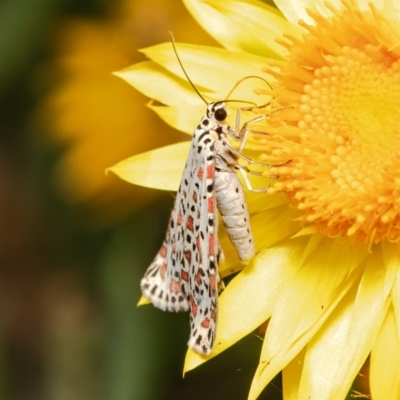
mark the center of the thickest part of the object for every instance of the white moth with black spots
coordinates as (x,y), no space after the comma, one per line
(184,274)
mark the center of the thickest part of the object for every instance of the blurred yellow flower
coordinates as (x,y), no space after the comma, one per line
(95,117)
(327,272)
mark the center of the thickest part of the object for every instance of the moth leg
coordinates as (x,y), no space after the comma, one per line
(244,170)
(244,131)
(237,122)
(238,154)
(241,130)
(258,173)
(241,134)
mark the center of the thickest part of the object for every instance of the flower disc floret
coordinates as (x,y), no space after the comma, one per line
(344,141)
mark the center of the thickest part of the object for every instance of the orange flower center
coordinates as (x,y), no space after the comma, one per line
(343,134)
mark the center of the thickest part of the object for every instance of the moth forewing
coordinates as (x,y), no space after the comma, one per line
(204,276)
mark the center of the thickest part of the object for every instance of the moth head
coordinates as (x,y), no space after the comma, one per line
(218,111)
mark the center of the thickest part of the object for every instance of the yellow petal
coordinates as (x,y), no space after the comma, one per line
(235,34)
(160,169)
(396,299)
(391,256)
(264,23)
(212,68)
(385,361)
(313,243)
(323,354)
(258,202)
(184,119)
(156,82)
(309,230)
(317,287)
(294,10)
(143,301)
(188,108)
(291,376)
(254,289)
(273,225)
(338,351)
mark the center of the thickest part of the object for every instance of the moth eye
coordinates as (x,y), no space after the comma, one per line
(220,114)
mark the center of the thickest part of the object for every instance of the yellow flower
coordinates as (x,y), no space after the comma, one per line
(327,272)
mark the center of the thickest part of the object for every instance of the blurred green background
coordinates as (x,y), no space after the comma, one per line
(74,243)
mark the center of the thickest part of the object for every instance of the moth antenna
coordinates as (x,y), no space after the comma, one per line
(243,79)
(238,101)
(183,69)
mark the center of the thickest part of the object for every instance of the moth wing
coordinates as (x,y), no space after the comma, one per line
(166,281)
(203,276)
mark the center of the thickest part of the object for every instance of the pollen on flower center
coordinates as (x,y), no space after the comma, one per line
(343,136)
(360,115)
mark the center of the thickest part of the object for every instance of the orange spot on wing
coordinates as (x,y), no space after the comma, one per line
(190,223)
(211,244)
(210,171)
(163,251)
(200,173)
(205,323)
(163,269)
(184,276)
(210,204)
(212,282)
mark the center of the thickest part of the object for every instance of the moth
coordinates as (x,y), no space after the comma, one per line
(184,274)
